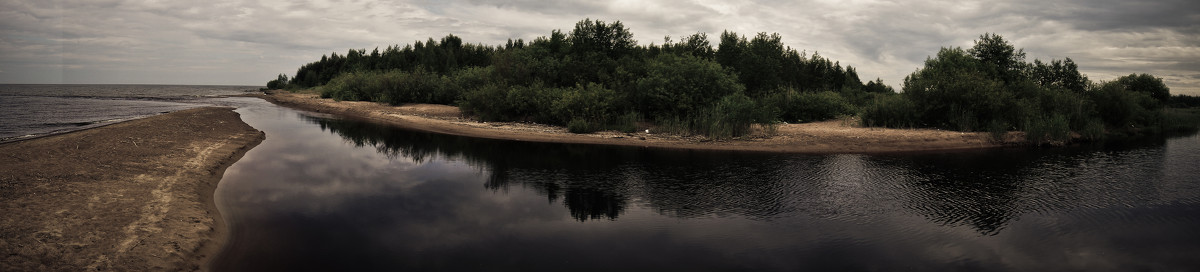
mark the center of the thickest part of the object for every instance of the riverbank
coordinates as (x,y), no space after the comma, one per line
(818,137)
(132,196)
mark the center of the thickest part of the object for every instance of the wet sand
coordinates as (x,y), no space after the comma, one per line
(132,196)
(818,137)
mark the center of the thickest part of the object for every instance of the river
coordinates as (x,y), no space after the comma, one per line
(323,193)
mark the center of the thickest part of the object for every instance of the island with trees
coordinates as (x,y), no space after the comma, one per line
(597,77)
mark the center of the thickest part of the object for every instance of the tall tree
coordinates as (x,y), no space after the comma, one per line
(1002,58)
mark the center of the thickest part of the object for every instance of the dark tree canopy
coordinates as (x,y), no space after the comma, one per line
(1002,58)
(595,37)
(1146,84)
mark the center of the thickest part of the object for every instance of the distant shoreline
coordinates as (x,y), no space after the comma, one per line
(828,137)
(129,196)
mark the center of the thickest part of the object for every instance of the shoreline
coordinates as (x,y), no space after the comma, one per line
(827,137)
(133,195)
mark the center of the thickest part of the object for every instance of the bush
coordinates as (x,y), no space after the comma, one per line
(1048,129)
(394,87)
(795,106)
(997,130)
(1181,120)
(1121,109)
(349,86)
(892,111)
(731,117)
(580,125)
(590,102)
(486,102)
(679,85)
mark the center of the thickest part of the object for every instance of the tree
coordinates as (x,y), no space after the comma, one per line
(1147,84)
(696,45)
(1002,58)
(730,50)
(678,85)
(955,91)
(877,86)
(595,37)
(1058,74)
(280,82)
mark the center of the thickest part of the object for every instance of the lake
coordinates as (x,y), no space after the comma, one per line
(324,193)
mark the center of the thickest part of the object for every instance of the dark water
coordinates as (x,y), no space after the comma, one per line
(328,194)
(28,111)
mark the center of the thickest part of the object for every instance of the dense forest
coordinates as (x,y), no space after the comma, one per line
(596,77)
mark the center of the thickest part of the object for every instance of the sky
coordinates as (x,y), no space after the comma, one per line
(223,42)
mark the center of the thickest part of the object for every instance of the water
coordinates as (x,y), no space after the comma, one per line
(36,110)
(322,193)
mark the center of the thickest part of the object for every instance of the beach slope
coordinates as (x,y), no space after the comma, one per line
(132,196)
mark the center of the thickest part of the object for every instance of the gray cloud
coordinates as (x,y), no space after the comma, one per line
(247,42)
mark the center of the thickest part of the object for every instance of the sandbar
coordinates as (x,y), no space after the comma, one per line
(131,196)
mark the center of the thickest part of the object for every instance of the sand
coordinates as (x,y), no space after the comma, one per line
(132,196)
(839,136)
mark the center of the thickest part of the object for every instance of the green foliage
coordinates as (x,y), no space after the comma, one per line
(1000,59)
(595,37)
(954,91)
(597,77)
(877,86)
(279,83)
(1048,129)
(990,87)
(591,102)
(495,102)
(1058,75)
(1146,84)
(763,64)
(1181,120)
(1121,109)
(440,58)
(731,117)
(1184,101)
(892,111)
(394,87)
(580,125)
(676,85)
(795,106)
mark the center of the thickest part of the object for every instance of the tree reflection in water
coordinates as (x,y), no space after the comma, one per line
(983,190)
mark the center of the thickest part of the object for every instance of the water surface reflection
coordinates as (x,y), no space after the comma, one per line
(330,194)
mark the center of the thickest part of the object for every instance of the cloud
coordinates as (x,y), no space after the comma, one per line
(248,42)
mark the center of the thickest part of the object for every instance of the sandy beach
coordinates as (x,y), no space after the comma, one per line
(132,196)
(818,137)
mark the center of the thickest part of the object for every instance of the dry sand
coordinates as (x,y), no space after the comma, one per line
(818,137)
(132,196)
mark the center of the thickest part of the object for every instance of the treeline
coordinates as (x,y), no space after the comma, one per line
(447,56)
(990,87)
(597,77)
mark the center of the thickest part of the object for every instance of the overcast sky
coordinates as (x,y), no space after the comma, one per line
(249,42)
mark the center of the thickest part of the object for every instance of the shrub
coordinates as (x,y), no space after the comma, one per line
(394,87)
(795,106)
(997,130)
(1047,129)
(731,117)
(892,111)
(580,125)
(678,85)
(488,102)
(590,102)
